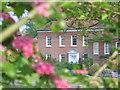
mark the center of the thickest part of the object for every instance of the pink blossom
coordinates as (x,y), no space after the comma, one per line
(36,48)
(2,48)
(2,58)
(26,54)
(6,17)
(116,83)
(83,72)
(103,11)
(9,52)
(42,10)
(59,83)
(42,7)
(38,58)
(43,68)
(17,43)
(25,44)
(55,78)
(34,56)
(113,75)
(59,8)
(38,2)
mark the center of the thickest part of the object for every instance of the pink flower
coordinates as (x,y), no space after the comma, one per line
(36,48)
(42,10)
(38,58)
(38,2)
(25,44)
(59,83)
(83,72)
(2,58)
(9,52)
(43,68)
(103,11)
(26,54)
(113,75)
(59,8)
(6,17)
(17,44)
(2,48)
(34,56)
(116,83)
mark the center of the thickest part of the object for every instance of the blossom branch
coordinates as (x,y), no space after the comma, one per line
(105,65)
(14,27)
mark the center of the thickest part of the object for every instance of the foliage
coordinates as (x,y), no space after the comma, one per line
(22,62)
(31,29)
(92,70)
(88,62)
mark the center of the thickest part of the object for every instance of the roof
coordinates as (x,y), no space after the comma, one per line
(70,25)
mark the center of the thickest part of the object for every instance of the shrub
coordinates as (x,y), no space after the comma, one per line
(88,62)
(95,67)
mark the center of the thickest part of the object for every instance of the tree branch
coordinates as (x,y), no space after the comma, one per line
(14,27)
(83,26)
(105,65)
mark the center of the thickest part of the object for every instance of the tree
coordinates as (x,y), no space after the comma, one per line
(22,61)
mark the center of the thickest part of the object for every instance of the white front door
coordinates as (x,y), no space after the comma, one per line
(73,57)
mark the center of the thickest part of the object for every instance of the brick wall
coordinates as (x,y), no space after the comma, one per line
(55,50)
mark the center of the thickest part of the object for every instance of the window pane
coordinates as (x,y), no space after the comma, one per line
(62,56)
(74,40)
(118,44)
(49,38)
(48,56)
(96,47)
(62,40)
(106,48)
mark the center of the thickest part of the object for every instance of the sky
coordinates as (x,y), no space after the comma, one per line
(23,27)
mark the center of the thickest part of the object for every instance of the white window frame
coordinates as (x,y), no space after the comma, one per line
(116,44)
(60,41)
(47,56)
(84,41)
(47,41)
(107,47)
(94,48)
(60,57)
(72,41)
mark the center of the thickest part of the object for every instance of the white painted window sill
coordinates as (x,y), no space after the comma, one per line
(48,46)
(62,46)
(73,45)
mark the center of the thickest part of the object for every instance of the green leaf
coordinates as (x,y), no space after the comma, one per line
(39,21)
(104,16)
(9,69)
(21,61)
(55,27)
(76,66)
(62,24)
(30,77)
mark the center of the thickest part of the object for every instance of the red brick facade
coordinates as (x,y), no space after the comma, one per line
(55,50)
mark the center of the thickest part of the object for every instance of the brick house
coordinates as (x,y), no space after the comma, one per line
(71,44)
